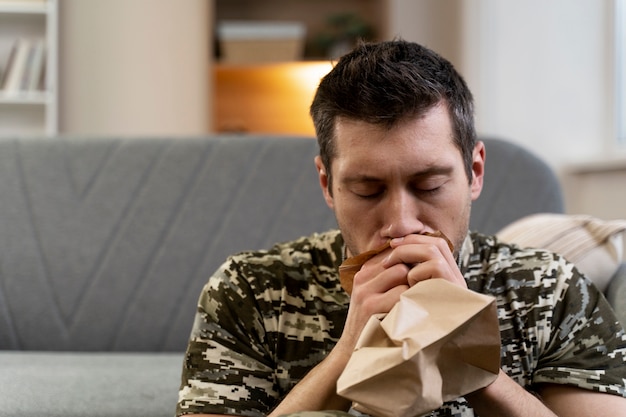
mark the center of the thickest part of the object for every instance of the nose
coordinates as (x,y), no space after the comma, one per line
(401,214)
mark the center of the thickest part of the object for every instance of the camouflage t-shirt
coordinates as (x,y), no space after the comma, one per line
(266,318)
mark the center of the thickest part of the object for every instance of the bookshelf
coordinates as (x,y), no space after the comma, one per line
(268,95)
(28,67)
(315,16)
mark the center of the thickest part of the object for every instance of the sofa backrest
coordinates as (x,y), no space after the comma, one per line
(517,183)
(106,243)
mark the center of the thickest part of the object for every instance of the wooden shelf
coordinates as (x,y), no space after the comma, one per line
(275,97)
(266,98)
(25,98)
(24,7)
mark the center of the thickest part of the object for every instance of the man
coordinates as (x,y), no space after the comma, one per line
(398,158)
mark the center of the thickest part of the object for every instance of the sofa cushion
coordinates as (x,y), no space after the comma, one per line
(594,245)
(74,384)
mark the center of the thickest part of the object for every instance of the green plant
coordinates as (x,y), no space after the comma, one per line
(343,30)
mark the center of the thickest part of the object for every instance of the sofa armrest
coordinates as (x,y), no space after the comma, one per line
(616,293)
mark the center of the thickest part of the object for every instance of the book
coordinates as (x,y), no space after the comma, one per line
(24,79)
(18,65)
(9,64)
(34,66)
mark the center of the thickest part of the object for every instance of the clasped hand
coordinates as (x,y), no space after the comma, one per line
(383,278)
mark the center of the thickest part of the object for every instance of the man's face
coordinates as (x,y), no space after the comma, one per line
(392,183)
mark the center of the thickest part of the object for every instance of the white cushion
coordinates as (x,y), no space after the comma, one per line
(595,246)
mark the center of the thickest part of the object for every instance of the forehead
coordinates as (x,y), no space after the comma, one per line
(429,136)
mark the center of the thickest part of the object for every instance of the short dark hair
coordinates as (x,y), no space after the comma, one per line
(388,82)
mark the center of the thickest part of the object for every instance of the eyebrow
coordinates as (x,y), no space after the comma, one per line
(429,172)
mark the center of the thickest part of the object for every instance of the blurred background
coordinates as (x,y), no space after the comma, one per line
(548,75)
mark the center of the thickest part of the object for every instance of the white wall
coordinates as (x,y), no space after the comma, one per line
(433,23)
(541,74)
(136,67)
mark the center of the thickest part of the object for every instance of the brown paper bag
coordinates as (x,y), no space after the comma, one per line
(439,342)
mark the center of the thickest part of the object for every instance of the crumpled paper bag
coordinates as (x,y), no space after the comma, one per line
(439,342)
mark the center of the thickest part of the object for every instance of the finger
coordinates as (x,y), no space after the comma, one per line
(387,301)
(439,237)
(444,245)
(376,279)
(426,261)
(411,254)
(382,303)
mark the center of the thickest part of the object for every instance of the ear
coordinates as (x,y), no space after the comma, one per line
(324,182)
(478,169)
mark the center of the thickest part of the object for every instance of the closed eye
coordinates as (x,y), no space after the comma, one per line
(369,196)
(429,190)
(367,191)
(429,186)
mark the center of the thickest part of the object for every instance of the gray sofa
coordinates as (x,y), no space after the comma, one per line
(106,243)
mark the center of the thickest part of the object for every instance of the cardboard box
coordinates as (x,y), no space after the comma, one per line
(245,42)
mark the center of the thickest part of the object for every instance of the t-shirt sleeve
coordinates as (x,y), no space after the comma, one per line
(227,368)
(587,346)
